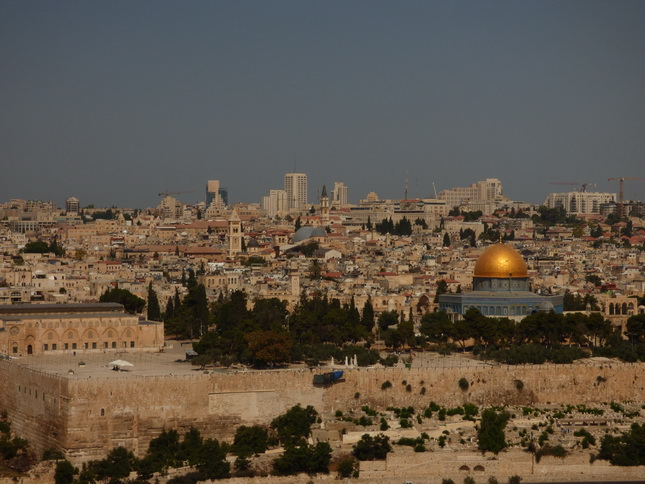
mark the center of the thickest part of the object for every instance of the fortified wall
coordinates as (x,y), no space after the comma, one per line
(86,417)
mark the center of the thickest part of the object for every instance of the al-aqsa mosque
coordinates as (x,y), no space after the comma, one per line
(501,287)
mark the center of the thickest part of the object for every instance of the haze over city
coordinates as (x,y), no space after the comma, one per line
(115,102)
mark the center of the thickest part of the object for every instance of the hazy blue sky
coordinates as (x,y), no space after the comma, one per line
(116,101)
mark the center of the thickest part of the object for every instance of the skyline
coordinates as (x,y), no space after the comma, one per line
(114,103)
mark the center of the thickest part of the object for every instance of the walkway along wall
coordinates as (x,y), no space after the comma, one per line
(87,417)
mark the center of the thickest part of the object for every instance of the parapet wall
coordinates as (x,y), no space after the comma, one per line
(87,417)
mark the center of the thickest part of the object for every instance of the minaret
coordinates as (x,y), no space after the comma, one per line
(234,234)
(324,207)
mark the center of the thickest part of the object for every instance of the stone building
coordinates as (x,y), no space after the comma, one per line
(27,329)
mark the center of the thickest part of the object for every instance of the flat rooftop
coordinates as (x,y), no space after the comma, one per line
(97,364)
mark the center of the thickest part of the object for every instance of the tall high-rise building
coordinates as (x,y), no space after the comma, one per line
(295,184)
(72,205)
(216,193)
(339,195)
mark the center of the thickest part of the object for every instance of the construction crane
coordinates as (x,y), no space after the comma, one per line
(621,206)
(583,186)
(166,193)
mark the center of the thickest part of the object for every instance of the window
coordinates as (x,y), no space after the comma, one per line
(73,346)
(131,344)
(113,344)
(94,345)
(45,347)
(70,335)
(66,346)
(53,346)
(105,344)
(86,345)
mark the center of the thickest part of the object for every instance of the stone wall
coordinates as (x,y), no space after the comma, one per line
(87,417)
(37,403)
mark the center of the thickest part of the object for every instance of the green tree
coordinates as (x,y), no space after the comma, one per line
(295,425)
(250,440)
(437,327)
(36,247)
(154,311)
(212,462)
(304,458)
(132,304)
(367,318)
(269,347)
(446,240)
(491,437)
(65,472)
(442,288)
(387,319)
(627,449)
(117,465)
(372,448)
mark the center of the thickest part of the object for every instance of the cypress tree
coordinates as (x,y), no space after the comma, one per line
(154,311)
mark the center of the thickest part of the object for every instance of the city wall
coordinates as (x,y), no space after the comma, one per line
(88,417)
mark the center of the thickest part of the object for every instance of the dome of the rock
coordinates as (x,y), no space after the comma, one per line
(500,261)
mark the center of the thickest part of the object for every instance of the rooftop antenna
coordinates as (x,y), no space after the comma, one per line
(406,185)
(435,190)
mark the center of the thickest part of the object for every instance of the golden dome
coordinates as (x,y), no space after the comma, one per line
(501,261)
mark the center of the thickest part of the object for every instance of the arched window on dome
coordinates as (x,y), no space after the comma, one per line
(485,311)
(611,308)
(498,311)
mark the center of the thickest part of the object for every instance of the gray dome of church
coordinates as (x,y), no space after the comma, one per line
(308,232)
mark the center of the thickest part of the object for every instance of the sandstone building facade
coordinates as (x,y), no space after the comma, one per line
(27,329)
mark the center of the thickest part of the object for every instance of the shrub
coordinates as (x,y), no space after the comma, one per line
(463,384)
(53,454)
(514,480)
(408,388)
(347,468)
(386,384)
(372,448)
(519,385)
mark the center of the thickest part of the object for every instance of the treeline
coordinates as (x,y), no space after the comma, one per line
(267,334)
(403,227)
(187,317)
(42,247)
(539,337)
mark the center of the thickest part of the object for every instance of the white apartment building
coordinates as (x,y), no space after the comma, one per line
(339,195)
(579,203)
(481,191)
(295,184)
(275,203)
